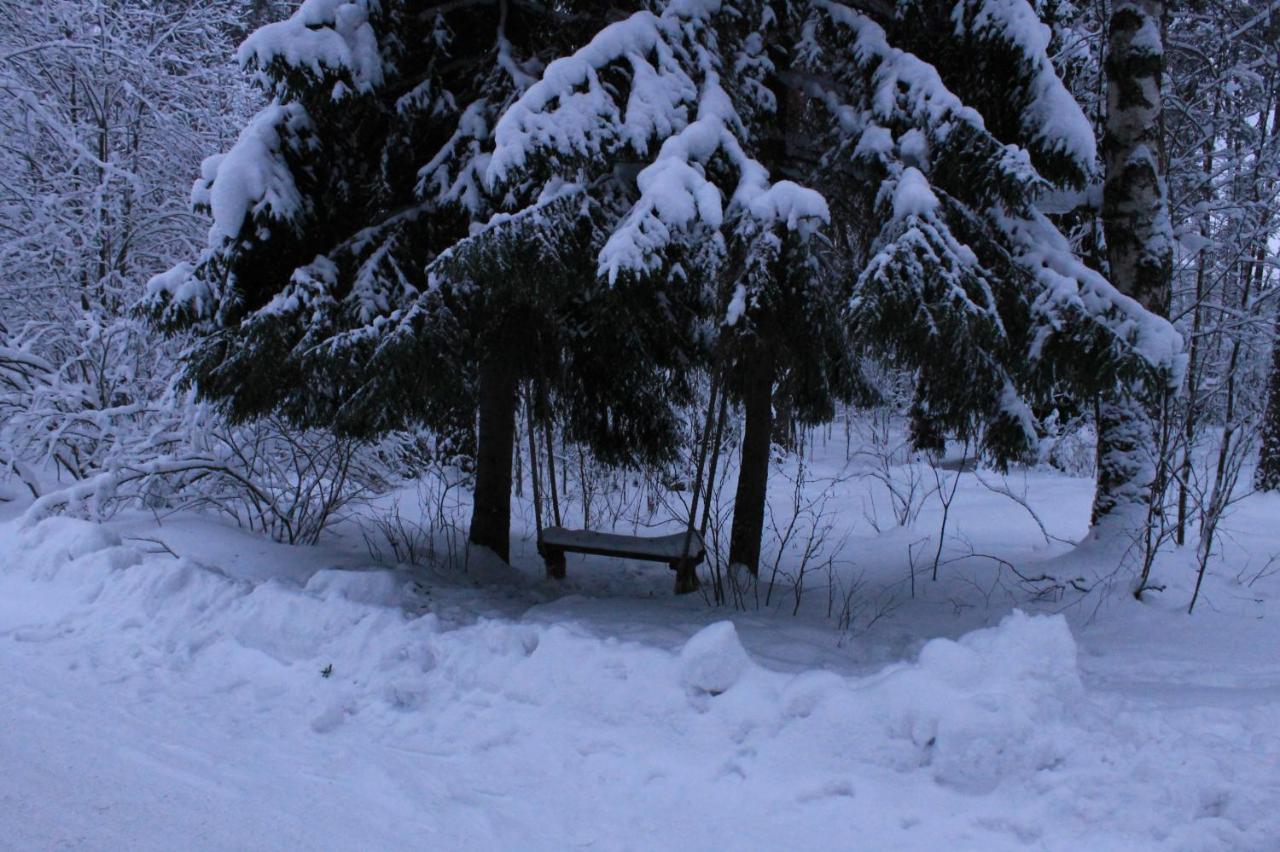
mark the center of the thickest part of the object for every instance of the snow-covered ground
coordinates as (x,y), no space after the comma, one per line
(237,694)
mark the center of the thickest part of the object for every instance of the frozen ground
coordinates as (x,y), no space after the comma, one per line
(159,701)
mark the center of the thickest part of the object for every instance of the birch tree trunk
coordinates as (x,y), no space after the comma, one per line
(1267,475)
(1135,217)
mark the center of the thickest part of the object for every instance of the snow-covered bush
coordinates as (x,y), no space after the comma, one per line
(265,475)
(105,108)
(95,405)
(1070,446)
(104,115)
(83,394)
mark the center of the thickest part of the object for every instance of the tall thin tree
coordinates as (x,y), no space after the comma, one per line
(1135,215)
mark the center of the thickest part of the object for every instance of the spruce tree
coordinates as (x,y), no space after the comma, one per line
(842,181)
(314,298)
(428,213)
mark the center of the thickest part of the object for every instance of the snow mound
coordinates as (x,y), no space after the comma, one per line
(994,705)
(487,568)
(971,713)
(182,615)
(713,659)
(61,544)
(990,737)
(377,588)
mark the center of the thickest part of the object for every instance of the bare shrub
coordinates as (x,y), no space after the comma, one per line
(804,533)
(885,454)
(437,536)
(266,476)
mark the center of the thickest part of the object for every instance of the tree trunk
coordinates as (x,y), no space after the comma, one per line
(1126,468)
(1192,408)
(753,477)
(1267,475)
(491,517)
(1135,218)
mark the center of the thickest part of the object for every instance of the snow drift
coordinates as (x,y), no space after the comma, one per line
(568,736)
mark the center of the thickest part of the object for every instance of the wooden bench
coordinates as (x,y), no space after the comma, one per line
(555,542)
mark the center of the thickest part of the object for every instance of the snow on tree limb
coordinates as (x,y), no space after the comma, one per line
(676,98)
(557,115)
(324,37)
(252,180)
(908,91)
(1054,118)
(1070,284)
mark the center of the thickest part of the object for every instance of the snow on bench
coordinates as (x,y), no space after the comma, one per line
(671,549)
(665,548)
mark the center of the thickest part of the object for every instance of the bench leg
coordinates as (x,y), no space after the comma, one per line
(686,576)
(554,560)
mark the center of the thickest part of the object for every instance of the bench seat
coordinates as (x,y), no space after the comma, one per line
(555,542)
